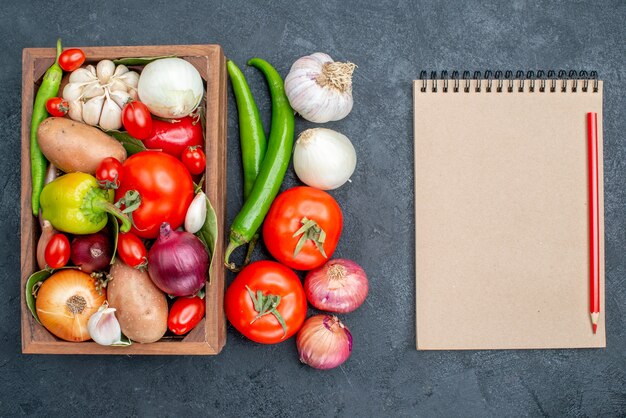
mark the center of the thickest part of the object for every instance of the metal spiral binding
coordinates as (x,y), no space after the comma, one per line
(541,78)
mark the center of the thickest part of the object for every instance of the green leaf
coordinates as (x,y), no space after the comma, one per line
(131,145)
(123,342)
(140,61)
(115,229)
(34,279)
(208,233)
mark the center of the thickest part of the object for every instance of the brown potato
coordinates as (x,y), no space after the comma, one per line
(141,306)
(74,146)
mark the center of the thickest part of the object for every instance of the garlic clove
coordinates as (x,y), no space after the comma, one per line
(82,75)
(119,70)
(92,70)
(92,110)
(104,327)
(111,115)
(118,85)
(92,90)
(131,79)
(196,214)
(73,91)
(133,94)
(76,110)
(105,70)
(120,97)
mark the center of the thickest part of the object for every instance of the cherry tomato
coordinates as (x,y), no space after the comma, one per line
(185,314)
(244,308)
(194,159)
(57,106)
(71,59)
(302,208)
(131,250)
(137,120)
(109,173)
(57,252)
(165,188)
(174,136)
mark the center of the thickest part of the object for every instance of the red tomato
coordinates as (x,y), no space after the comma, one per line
(71,59)
(137,120)
(58,107)
(174,136)
(131,250)
(287,215)
(57,252)
(165,188)
(185,314)
(194,159)
(271,279)
(109,173)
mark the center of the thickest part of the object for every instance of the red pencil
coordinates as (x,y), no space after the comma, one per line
(594,237)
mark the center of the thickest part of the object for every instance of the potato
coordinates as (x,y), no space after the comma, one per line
(141,306)
(74,146)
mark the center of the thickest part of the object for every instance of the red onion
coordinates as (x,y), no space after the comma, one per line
(338,286)
(177,262)
(91,252)
(324,342)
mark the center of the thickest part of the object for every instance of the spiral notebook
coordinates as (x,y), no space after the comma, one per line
(501,210)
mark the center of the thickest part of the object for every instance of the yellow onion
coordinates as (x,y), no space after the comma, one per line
(324,342)
(65,303)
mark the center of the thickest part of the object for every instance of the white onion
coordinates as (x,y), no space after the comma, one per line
(170,87)
(324,158)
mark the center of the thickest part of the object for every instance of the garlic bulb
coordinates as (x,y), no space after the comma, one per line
(323,158)
(97,95)
(320,89)
(104,327)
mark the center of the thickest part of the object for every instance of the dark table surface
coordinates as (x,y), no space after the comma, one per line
(391,41)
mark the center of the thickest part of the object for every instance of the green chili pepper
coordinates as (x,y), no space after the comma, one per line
(251,135)
(49,88)
(75,204)
(273,168)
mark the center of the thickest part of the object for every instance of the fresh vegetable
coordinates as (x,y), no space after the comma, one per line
(109,173)
(272,173)
(194,160)
(251,135)
(71,59)
(132,250)
(323,158)
(170,87)
(104,327)
(66,301)
(338,286)
(56,106)
(73,146)
(174,136)
(140,60)
(178,262)
(324,342)
(185,314)
(208,234)
(91,252)
(57,252)
(49,88)
(137,120)
(47,232)
(303,227)
(141,308)
(131,145)
(196,214)
(319,88)
(75,204)
(266,302)
(97,94)
(164,186)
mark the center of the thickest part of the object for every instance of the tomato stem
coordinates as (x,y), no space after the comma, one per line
(265,305)
(310,230)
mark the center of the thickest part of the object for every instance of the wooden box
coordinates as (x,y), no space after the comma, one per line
(210,335)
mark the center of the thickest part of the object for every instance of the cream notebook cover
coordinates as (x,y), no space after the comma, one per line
(501,213)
